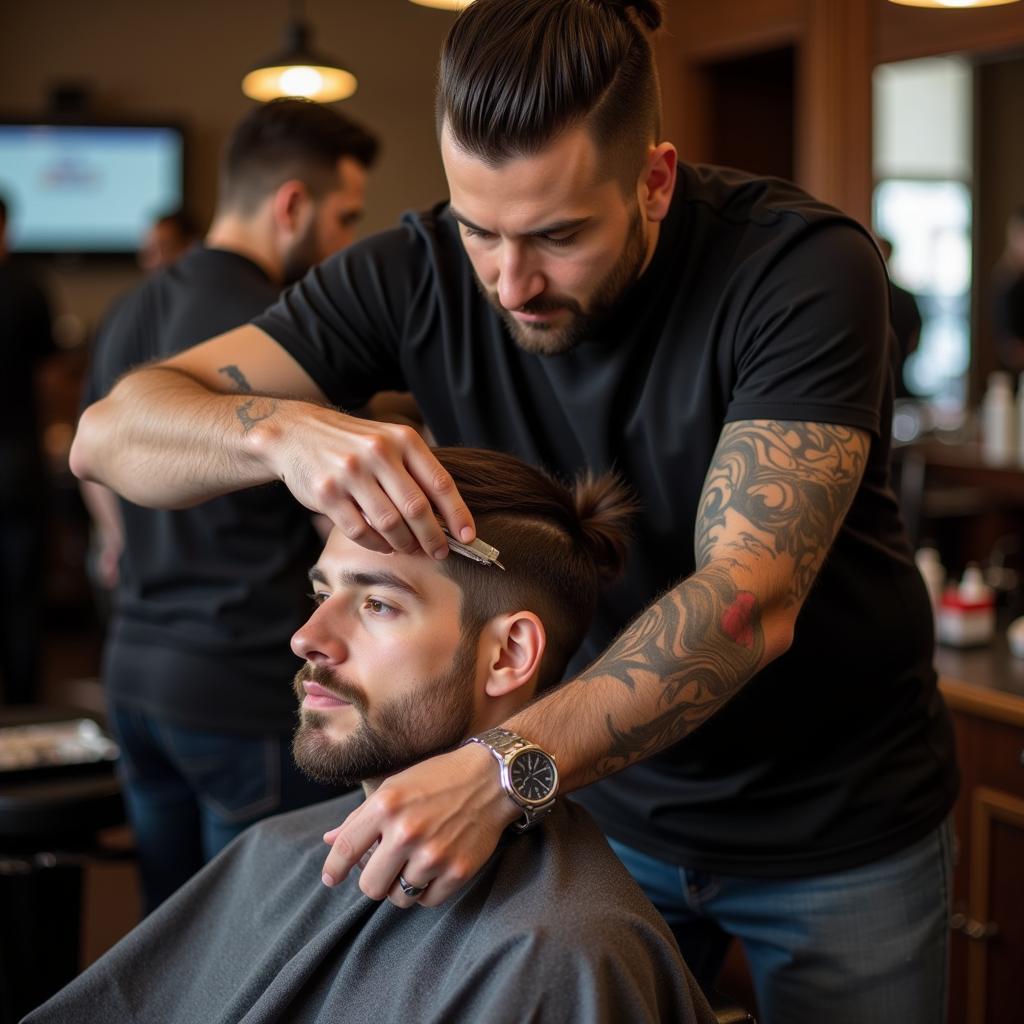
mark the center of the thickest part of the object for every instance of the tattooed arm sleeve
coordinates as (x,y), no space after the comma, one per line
(773,500)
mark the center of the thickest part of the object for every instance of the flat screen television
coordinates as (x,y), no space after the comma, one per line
(81,189)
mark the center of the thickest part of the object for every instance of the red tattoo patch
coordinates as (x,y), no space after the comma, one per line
(738,619)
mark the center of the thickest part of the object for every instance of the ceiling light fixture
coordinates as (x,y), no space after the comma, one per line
(298,70)
(952,5)
(444,5)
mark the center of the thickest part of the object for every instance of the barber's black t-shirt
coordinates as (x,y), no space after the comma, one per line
(209,596)
(759,303)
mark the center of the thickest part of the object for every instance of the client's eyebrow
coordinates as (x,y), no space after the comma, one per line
(381,578)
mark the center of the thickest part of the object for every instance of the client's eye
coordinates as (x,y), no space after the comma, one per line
(377,607)
(318,597)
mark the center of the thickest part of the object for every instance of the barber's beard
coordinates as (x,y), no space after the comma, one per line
(549,340)
(301,256)
(435,716)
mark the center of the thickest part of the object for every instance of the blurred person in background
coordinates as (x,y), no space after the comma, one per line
(168,238)
(905,317)
(207,597)
(26,341)
(1009,296)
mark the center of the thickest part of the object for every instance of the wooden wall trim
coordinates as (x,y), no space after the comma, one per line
(987,807)
(982,701)
(731,28)
(833,137)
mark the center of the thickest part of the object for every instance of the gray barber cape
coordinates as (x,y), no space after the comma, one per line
(552,929)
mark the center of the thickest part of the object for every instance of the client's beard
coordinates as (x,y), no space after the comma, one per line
(432,718)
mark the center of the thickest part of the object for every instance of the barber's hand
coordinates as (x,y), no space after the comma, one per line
(435,824)
(379,482)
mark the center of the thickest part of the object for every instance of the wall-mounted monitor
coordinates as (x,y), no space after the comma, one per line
(87,188)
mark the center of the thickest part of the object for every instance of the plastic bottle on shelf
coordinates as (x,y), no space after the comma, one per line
(1020,420)
(998,430)
(929,564)
(967,614)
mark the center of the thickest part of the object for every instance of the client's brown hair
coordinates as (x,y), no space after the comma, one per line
(559,544)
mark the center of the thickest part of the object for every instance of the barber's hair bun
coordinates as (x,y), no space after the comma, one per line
(605,507)
(648,12)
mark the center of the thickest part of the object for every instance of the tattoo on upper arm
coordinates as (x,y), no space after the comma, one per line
(256,409)
(791,482)
(237,378)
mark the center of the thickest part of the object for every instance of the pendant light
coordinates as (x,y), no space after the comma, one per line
(444,5)
(298,70)
(952,5)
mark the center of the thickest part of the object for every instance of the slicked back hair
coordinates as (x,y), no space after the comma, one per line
(288,139)
(559,545)
(515,74)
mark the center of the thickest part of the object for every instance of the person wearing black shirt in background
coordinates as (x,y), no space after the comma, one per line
(753,717)
(1009,296)
(25,341)
(207,597)
(905,317)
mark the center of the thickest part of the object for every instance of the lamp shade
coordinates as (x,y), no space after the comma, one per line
(951,5)
(444,5)
(299,71)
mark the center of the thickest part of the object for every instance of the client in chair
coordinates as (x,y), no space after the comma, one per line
(406,657)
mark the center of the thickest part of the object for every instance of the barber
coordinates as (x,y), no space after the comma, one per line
(759,727)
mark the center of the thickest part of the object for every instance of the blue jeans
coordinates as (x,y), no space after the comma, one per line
(189,793)
(864,946)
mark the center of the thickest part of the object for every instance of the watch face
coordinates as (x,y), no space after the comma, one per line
(532,775)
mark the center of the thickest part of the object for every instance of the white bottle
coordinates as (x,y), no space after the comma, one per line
(930,566)
(1020,420)
(998,430)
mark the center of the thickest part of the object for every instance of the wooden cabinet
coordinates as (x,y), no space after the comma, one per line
(987,951)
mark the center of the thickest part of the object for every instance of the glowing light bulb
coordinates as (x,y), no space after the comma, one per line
(301,81)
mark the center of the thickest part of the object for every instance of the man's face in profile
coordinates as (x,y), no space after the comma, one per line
(388,678)
(553,239)
(333,221)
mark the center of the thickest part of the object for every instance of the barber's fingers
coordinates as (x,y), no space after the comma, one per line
(440,488)
(390,479)
(402,489)
(352,841)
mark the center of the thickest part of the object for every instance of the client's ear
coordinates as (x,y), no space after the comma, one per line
(519,642)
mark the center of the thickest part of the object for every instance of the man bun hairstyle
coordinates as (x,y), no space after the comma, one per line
(514,74)
(559,544)
(289,139)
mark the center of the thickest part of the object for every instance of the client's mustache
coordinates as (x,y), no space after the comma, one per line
(340,687)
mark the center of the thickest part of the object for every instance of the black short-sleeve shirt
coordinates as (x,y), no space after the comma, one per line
(759,303)
(208,596)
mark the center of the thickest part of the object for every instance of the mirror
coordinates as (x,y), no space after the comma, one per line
(949,171)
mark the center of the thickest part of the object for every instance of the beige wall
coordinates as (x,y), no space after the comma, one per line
(184,61)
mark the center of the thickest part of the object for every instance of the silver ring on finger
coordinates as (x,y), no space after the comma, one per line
(410,890)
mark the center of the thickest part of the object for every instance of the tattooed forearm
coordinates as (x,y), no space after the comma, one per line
(250,413)
(696,646)
(237,378)
(790,483)
(773,499)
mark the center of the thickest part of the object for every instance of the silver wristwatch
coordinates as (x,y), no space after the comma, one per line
(528,774)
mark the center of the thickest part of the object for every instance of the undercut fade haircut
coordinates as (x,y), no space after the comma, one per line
(515,74)
(559,545)
(289,139)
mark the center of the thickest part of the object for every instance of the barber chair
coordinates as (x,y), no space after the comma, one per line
(57,792)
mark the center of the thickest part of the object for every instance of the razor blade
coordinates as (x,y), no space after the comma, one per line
(478,550)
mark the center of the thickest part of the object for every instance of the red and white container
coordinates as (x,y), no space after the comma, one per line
(967,613)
